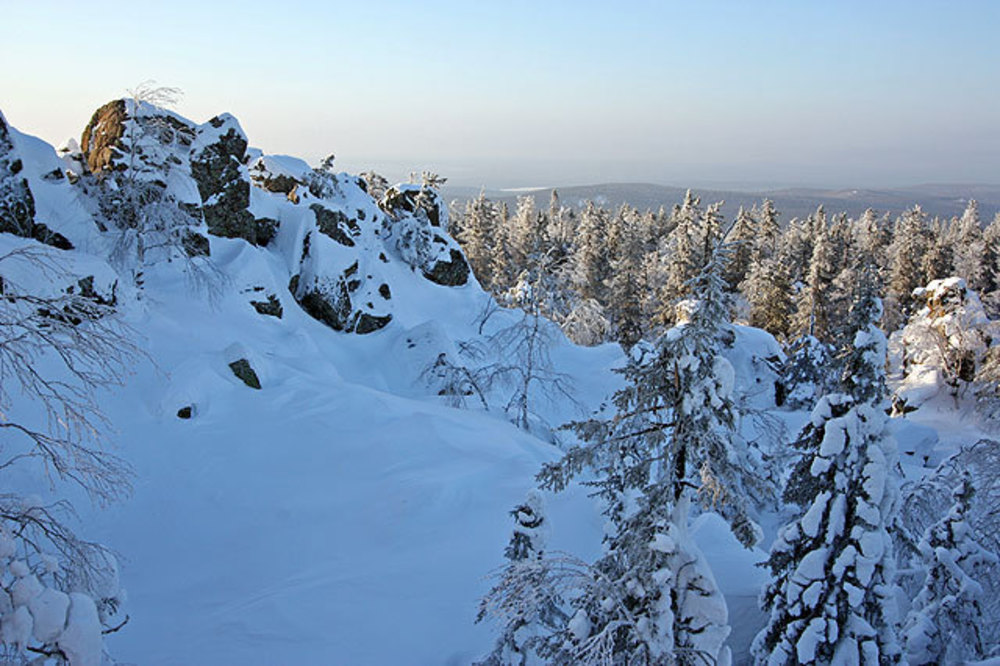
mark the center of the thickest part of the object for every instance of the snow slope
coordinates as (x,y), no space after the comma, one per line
(345,512)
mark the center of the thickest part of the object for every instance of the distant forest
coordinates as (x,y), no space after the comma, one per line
(619,274)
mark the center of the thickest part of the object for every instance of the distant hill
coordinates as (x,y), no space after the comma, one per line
(941,200)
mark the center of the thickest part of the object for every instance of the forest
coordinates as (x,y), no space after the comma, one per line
(850,300)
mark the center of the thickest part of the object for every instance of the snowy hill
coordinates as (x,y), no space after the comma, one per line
(344,500)
(315,479)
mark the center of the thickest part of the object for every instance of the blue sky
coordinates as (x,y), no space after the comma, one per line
(532,93)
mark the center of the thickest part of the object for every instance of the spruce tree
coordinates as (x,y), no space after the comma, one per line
(768,231)
(651,598)
(478,236)
(944,623)
(970,249)
(743,237)
(524,599)
(769,292)
(831,596)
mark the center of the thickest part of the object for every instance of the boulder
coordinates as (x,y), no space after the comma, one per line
(452,272)
(242,369)
(223,184)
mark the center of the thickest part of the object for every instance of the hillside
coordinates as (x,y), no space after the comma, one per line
(347,502)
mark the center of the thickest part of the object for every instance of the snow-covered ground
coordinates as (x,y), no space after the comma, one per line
(344,512)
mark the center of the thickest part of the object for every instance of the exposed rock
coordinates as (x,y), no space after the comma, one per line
(368,324)
(271,307)
(332,307)
(242,369)
(413,199)
(101,141)
(264,230)
(196,245)
(452,273)
(416,218)
(280,183)
(185,412)
(223,184)
(17,204)
(336,225)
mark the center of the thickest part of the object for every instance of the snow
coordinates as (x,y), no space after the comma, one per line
(48,610)
(298,522)
(80,641)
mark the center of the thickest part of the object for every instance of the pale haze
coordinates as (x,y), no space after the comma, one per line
(838,94)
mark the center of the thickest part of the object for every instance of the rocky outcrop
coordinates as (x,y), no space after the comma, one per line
(270,307)
(336,225)
(346,302)
(102,137)
(17,204)
(223,182)
(415,216)
(451,272)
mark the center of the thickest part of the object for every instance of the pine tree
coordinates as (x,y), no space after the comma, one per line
(944,623)
(831,596)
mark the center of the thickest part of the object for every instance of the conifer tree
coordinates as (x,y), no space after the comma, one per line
(769,292)
(681,257)
(768,231)
(938,262)
(625,284)
(478,236)
(743,237)
(814,313)
(589,263)
(524,599)
(970,249)
(944,623)
(651,598)
(831,596)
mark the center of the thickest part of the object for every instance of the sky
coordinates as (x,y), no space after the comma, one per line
(536,93)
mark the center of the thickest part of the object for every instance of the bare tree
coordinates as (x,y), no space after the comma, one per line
(58,350)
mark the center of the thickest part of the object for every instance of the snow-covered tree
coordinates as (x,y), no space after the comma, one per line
(587,323)
(522,364)
(769,292)
(653,599)
(950,336)
(970,249)
(477,237)
(831,596)
(61,344)
(768,231)
(589,264)
(945,622)
(814,314)
(743,237)
(525,599)
(626,284)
